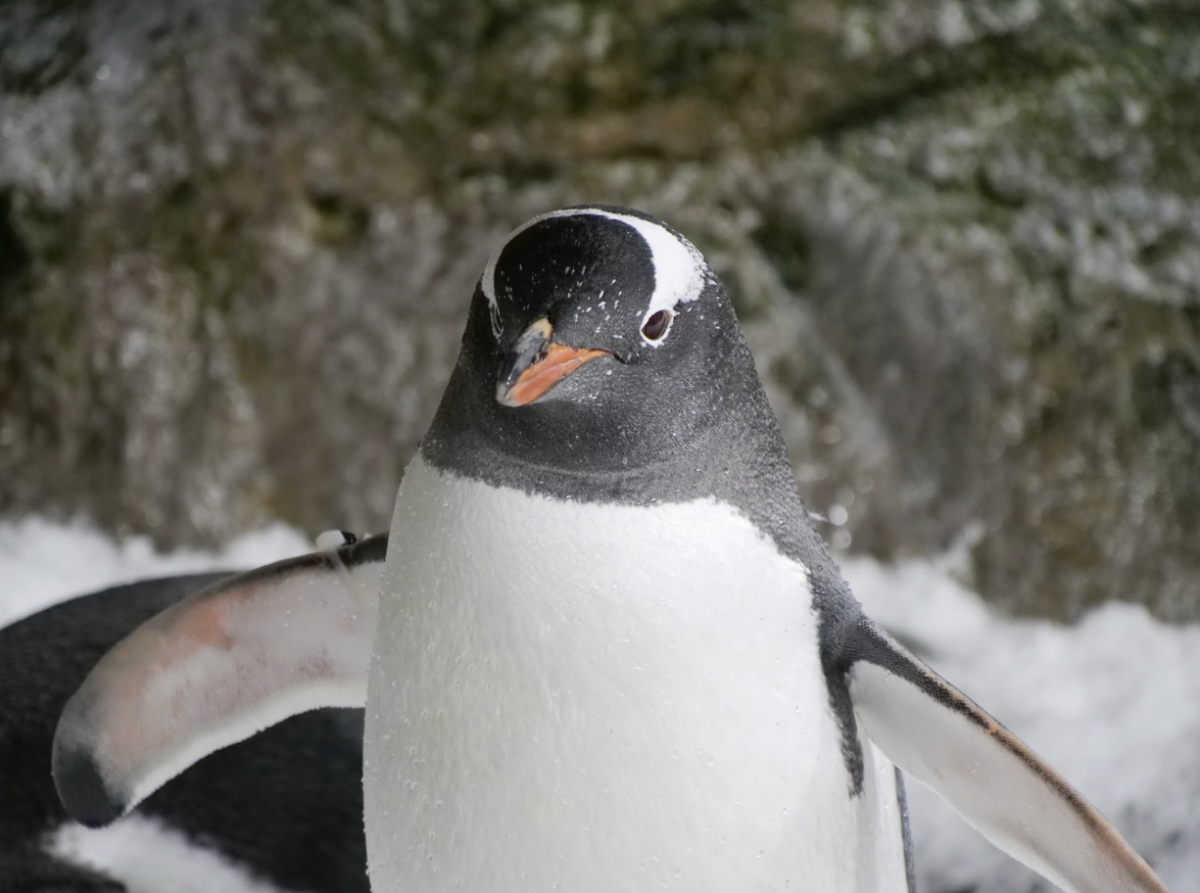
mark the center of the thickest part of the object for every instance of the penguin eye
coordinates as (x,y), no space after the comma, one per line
(656,326)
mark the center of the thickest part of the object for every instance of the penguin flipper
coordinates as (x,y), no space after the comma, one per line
(214,669)
(933,731)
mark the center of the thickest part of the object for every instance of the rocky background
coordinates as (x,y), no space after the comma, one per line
(237,240)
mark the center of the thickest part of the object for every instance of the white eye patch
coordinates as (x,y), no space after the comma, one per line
(680,272)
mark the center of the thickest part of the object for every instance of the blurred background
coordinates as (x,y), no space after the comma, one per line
(237,240)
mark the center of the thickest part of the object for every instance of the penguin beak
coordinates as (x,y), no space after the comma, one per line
(537,363)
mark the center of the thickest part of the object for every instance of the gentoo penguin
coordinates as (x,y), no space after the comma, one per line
(611,652)
(281,811)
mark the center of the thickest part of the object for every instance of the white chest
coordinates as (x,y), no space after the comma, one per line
(590,697)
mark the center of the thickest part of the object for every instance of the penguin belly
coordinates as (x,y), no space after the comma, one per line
(603,697)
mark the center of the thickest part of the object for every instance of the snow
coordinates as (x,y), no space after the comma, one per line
(43,562)
(1113,702)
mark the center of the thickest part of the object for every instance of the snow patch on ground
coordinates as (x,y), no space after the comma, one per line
(43,562)
(1113,702)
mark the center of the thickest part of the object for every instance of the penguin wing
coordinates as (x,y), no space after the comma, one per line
(933,731)
(214,669)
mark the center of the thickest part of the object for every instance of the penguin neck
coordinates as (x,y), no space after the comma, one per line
(737,457)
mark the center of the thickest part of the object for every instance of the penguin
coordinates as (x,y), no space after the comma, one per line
(279,812)
(609,651)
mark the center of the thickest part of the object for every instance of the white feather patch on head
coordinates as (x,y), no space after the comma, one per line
(680,271)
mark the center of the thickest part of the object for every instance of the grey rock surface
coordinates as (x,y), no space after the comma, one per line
(237,240)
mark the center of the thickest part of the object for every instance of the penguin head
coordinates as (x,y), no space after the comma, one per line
(593,285)
(598,338)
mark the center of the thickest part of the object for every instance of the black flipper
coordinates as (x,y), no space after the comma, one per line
(286,804)
(215,669)
(938,735)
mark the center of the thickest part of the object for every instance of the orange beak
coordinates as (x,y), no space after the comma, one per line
(536,364)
